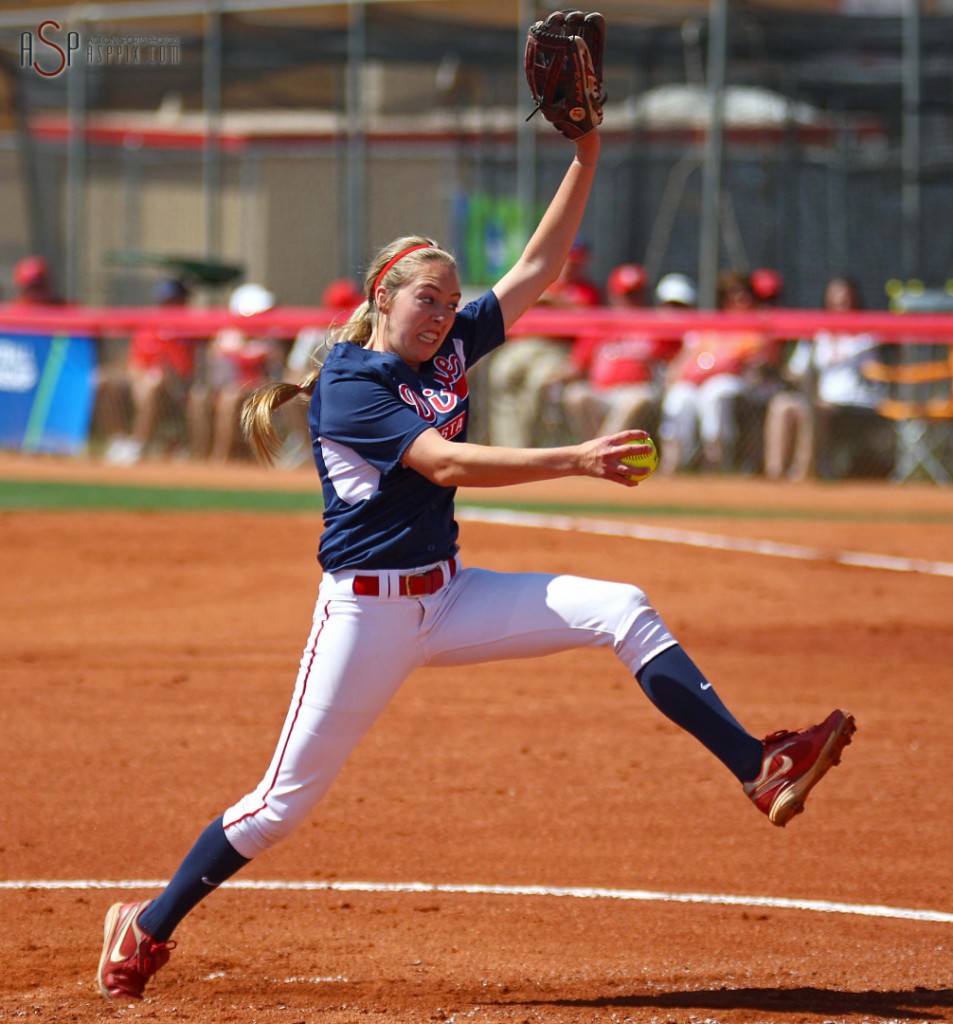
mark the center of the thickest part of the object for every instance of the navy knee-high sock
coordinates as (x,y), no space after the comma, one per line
(210,862)
(675,685)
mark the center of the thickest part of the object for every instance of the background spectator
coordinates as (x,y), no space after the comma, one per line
(521,371)
(827,421)
(614,383)
(160,375)
(239,360)
(699,411)
(342,297)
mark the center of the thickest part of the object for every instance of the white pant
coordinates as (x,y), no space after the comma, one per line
(693,412)
(362,648)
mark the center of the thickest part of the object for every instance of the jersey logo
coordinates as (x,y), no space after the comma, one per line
(433,402)
(448,372)
(454,427)
(442,401)
(424,411)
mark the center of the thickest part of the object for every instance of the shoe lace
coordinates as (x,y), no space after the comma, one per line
(776,737)
(151,956)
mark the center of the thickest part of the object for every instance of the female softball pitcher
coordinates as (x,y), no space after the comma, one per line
(388,419)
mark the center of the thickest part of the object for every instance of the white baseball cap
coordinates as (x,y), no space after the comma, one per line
(676,288)
(249,299)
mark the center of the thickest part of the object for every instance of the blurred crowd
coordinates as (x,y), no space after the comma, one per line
(162,394)
(726,401)
(715,401)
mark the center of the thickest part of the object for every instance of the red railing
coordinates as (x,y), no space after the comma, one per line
(106,321)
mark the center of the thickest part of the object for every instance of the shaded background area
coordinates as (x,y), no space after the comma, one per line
(806,137)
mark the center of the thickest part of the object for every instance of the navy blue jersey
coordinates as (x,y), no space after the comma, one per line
(366,410)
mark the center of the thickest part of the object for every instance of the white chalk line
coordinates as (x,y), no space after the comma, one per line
(625,895)
(711,541)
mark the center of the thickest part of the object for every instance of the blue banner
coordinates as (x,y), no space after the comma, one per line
(47,389)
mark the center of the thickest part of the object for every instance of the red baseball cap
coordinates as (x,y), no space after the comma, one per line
(626,279)
(766,283)
(343,294)
(31,271)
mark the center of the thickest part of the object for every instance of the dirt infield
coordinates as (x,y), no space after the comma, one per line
(147,659)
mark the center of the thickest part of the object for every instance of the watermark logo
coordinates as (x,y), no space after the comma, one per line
(142,50)
(52,49)
(57,56)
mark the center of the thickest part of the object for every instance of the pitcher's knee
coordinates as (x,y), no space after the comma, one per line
(253,827)
(640,632)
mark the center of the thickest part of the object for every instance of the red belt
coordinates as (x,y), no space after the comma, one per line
(415,584)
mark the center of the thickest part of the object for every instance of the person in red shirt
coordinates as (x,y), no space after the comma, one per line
(614,383)
(160,371)
(159,350)
(521,373)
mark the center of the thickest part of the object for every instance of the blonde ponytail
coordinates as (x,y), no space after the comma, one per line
(257,423)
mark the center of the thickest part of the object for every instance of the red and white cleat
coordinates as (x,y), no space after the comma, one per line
(794,763)
(130,955)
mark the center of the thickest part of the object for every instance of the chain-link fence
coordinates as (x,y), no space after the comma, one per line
(293,146)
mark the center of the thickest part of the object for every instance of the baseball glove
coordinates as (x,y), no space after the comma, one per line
(563,65)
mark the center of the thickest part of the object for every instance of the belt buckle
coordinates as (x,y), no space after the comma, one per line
(410,577)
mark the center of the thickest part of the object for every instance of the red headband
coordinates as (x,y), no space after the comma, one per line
(396,259)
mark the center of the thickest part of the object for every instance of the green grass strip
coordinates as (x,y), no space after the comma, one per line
(59,496)
(67,496)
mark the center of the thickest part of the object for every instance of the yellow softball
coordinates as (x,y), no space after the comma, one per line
(647,461)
